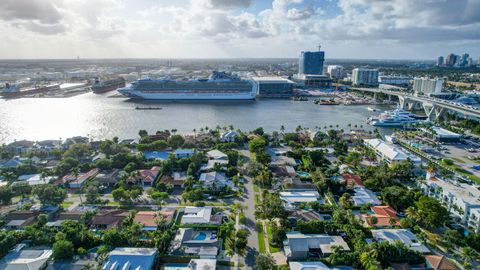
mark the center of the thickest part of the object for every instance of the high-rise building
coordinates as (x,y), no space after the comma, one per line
(364,76)
(464,60)
(336,71)
(451,59)
(470,62)
(427,86)
(311,63)
(440,61)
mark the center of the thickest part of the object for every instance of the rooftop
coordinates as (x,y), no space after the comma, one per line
(131,258)
(25,258)
(403,235)
(307,266)
(304,242)
(458,190)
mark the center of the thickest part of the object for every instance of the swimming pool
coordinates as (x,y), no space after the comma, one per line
(303,174)
(200,236)
(175,266)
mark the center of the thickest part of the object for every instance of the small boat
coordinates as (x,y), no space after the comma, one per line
(148,108)
(371,109)
(299,98)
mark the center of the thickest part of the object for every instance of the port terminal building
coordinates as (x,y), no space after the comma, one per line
(274,86)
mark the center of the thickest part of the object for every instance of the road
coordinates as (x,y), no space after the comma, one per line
(249,202)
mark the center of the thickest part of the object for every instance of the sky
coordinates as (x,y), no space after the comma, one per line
(360,29)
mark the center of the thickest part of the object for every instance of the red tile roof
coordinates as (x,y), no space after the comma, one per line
(384,215)
(352,179)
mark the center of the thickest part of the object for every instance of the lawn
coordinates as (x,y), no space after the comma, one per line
(464,173)
(271,248)
(66,204)
(261,242)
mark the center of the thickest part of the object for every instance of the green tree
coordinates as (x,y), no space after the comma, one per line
(257,145)
(49,194)
(398,197)
(63,250)
(175,141)
(430,212)
(6,195)
(264,262)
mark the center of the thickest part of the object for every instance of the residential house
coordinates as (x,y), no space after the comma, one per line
(151,219)
(34,179)
(22,257)
(192,242)
(64,216)
(459,198)
(215,180)
(131,258)
(352,180)
(382,216)
(292,199)
(74,140)
(20,147)
(12,163)
(184,153)
(217,155)
(202,264)
(201,215)
(364,196)
(300,246)
(18,220)
(308,266)
(175,179)
(73,181)
(279,158)
(108,178)
(48,145)
(229,136)
(109,218)
(305,216)
(437,262)
(403,235)
(145,177)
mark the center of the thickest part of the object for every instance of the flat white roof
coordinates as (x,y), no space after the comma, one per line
(445,133)
(272,79)
(462,191)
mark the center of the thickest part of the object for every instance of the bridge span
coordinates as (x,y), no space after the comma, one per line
(433,107)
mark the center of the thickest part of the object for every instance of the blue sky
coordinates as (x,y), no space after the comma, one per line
(386,29)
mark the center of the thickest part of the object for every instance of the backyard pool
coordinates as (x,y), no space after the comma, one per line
(303,174)
(200,236)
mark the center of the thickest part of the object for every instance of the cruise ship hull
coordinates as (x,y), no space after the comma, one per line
(188,96)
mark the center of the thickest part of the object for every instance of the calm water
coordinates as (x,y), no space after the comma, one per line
(100,117)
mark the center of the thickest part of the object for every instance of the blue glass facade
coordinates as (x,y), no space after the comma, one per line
(311,63)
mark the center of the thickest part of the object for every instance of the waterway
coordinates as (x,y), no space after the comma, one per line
(101,116)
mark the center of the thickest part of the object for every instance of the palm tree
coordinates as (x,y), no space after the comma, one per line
(195,133)
(282,128)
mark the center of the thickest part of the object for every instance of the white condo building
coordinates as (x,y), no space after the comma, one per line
(390,152)
(364,76)
(462,200)
(336,71)
(427,86)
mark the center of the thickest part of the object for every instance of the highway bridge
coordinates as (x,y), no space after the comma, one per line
(433,107)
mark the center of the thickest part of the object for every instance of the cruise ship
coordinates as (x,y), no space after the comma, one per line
(17,91)
(395,118)
(102,86)
(219,86)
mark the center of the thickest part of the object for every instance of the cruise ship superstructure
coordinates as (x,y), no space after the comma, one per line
(219,86)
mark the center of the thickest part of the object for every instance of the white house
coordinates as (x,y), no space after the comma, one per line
(229,136)
(294,198)
(364,196)
(200,215)
(214,179)
(403,235)
(217,155)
